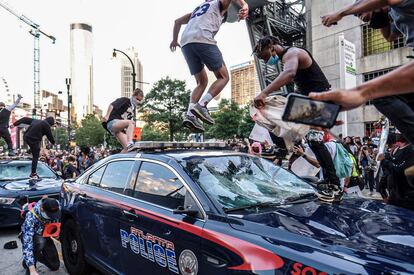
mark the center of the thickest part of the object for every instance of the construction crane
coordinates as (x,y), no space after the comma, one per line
(36,32)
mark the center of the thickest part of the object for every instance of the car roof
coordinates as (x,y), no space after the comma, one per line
(177,155)
(7,161)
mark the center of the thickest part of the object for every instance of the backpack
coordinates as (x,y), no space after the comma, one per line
(342,162)
(26,208)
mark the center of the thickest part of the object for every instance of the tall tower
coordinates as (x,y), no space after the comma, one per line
(81,69)
(126,70)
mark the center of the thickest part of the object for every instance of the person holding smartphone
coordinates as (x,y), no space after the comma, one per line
(300,68)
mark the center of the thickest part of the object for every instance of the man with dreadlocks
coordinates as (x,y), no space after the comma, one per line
(200,48)
(300,67)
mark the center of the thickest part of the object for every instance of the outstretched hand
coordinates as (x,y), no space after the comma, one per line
(348,99)
(174,45)
(331,19)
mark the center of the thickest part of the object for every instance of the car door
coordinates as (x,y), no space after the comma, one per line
(158,241)
(101,212)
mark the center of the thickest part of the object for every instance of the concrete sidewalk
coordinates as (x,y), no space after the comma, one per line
(11,260)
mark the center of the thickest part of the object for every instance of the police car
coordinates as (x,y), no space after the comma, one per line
(178,208)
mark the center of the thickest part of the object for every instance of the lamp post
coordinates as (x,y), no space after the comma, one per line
(133,74)
(69,102)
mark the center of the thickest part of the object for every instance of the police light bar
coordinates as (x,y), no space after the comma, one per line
(155,145)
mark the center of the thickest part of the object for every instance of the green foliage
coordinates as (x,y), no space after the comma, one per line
(246,124)
(153,133)
(91,132)
(227,120)
(61,135)
(163,106)
(230,120)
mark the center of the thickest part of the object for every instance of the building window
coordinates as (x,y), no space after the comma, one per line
(371,75)
(374,43)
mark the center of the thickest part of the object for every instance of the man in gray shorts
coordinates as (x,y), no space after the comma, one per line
(120,117)
(200,48)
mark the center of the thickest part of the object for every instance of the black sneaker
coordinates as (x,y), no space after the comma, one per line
(192,123)
(130,147)
(202,113)
(325,191)
(34,176)
(12,153)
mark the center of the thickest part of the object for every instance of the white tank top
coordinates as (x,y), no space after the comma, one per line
(204,23)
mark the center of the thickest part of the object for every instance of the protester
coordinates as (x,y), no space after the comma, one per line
(400,167)
(70,169)
(33,137)
(37,248)
(382,90)
(5,112)
(200,48)
(120,117)
(300,67)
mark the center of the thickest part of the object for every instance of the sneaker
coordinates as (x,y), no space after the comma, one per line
(325,191)
(34,176)
(202,113)
(130,146)
(12,153)
(192,123)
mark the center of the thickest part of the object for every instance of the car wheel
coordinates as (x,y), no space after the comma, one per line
(72,249)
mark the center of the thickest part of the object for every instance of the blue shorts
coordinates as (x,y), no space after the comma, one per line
(110,124)
(199,54)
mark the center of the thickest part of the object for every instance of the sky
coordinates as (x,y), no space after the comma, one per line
(147,26)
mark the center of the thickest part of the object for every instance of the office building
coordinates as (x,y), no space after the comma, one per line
(244,83)
(126,71)
(81,69)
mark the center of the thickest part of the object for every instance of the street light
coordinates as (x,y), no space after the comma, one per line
(133,74)
(68,83)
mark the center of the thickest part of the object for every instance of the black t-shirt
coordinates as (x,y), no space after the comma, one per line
(122,109)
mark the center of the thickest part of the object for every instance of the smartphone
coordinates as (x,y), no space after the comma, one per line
(302,109)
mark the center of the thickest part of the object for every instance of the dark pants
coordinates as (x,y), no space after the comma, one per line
(45,252)
(325,160)
(400,111)
(369,179)
(5,134)
(35,149)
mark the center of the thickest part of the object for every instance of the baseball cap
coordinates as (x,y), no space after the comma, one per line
(51,208)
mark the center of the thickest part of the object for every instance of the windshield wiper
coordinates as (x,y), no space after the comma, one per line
(300,198)
(256,205)
(13,179)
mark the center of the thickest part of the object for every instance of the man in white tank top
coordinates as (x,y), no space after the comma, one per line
(200,48)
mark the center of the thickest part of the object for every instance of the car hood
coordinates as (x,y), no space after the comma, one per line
(363,231)
(30,185)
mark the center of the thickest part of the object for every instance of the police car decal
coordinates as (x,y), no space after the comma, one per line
(188,262)
(151,247)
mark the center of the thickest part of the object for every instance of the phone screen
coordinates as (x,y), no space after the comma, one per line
(304,110)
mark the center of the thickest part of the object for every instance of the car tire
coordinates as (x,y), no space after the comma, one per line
(73,249)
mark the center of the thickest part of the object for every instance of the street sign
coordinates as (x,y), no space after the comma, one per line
(137,134)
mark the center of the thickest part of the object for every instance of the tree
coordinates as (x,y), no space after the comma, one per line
(227,121)
(61,135)
(164,105)
(246,124)
(91,132)
(153,133)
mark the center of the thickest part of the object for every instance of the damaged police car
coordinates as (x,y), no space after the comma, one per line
(178,208)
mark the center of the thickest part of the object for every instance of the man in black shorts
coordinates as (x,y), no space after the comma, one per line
(200,48)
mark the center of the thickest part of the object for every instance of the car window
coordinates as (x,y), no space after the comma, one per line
(159,185)
(241,180)
(95,178)
(21,170)
(117,175)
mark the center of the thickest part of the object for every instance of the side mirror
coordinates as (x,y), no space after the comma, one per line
(189,212)
(59,173)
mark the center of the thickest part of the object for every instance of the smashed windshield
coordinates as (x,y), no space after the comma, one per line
(16,171)
(242,180)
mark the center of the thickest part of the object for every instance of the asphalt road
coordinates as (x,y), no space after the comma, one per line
(11,260)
